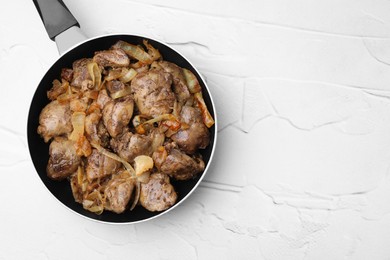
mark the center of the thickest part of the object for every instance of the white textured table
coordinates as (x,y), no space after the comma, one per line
(301,170)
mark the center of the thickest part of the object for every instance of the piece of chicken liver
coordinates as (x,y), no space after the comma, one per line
(158,193)
(63,160)
(99,165)
(196,136)
(152,92)
(54,120)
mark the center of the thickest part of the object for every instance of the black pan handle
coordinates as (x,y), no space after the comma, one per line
(55,16)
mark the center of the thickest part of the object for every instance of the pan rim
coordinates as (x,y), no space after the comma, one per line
(215,136)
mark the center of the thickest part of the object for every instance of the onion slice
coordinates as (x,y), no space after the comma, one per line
(207,118)
(94,202)
(125,75)
(116,157)
(121,93)
(114,74)
(154,53)
(68,95)
(128,76)
(192,82)
(172,122)
(78,121)
(95,73)
(137,195)
(57,89)
(161,118)
(135,52)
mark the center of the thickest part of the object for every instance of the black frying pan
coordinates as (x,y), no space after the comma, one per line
(57,19)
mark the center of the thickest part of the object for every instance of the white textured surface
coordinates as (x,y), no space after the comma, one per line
(301,171)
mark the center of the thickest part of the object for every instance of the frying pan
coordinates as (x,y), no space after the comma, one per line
(60,23)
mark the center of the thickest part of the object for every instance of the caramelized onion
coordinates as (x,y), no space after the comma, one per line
(154,53)
(135,52)
(128,75)
(94,202)
(121,93)
(137,194)
(114,74)
(95,73)
(57,89)
(192,82)
(170,121)
(78,121)
(207,118)
(116,157)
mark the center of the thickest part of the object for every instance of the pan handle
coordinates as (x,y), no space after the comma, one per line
(55,16)
(60,24)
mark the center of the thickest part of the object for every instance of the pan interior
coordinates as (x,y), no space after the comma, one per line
(39,150)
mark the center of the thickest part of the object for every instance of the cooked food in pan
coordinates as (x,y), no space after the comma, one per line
(121,125)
